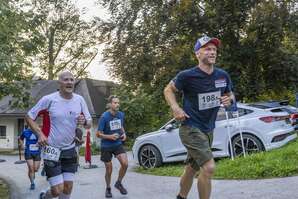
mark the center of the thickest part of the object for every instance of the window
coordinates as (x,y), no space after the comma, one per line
(221,115)
(2,132)
(242,112)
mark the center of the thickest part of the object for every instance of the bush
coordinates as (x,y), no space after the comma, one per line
(282,94)
(144,112)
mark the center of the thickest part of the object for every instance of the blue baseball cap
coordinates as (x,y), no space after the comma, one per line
(205,40)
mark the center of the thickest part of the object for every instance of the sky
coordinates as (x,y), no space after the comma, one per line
(97,69)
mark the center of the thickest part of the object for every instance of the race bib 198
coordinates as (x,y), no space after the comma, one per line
(115,124)
(50,153)
(209,100)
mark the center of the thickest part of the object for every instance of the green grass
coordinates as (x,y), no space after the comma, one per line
(165,170)
(4,191)
(280,162)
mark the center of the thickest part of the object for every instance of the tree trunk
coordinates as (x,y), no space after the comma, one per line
(51,54)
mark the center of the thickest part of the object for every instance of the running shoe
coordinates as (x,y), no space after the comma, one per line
(119,186)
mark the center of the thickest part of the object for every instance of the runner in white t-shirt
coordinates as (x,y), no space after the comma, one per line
(62,111)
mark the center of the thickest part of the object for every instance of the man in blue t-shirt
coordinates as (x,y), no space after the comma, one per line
(112,134)
(32,153)
(204,87)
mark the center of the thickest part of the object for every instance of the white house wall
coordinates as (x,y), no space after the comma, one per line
(10,142)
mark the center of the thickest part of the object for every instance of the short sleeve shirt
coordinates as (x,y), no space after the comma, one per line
(110,124)
(201,95)
(31,146)
(62,115)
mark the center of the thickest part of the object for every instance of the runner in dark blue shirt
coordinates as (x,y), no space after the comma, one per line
(201,95)
(32,153)
(112,134)
(204,87)
(111,124)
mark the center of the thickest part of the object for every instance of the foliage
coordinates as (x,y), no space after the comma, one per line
(283,94)
(148,42)
(15,48)
(68,41)
(47,36)
(142,111)
(270,64)
(4,190)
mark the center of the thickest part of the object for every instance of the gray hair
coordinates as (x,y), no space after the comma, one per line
(63,73)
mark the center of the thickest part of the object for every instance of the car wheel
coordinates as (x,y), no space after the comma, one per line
(251,144)
(149,157)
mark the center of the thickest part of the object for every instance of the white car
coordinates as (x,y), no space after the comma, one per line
(262,130)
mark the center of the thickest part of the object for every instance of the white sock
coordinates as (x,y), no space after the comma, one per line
(64,196)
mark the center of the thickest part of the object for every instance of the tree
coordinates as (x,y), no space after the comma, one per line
(144,40)
(145,46)
(15,50)
(270,60)
(148,42)
(68,41)
(228,20)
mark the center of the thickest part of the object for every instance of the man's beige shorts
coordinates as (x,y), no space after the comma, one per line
(198,145)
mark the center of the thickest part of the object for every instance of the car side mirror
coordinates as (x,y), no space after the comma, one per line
(169,127)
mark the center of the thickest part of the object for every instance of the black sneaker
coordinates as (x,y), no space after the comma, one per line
(42,195)
(120,187)
(108,193)
(179,197)
(43,172)
(32,186)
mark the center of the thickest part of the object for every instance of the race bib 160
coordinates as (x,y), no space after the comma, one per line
(50,153)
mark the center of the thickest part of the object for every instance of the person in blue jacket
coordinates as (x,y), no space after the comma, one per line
(32,153)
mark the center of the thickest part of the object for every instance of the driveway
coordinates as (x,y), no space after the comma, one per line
(90,184)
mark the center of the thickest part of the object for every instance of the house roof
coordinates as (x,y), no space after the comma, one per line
(95,93)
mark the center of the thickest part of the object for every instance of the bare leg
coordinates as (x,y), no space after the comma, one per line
(31,172)
(124,165)
(204,179)
(186,181)
(109,169)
